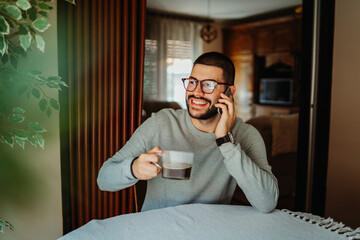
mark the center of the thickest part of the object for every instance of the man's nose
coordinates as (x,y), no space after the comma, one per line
(198,90)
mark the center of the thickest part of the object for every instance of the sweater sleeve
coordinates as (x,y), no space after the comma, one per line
(115,173)
(249,166)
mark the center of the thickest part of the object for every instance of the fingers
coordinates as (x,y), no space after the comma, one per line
(226,104)
(143,168)
(223,108)
(156,149)
(228,116)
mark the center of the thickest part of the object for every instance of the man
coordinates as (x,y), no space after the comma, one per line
(226,150)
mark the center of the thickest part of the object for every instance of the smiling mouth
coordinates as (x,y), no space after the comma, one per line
(198,103)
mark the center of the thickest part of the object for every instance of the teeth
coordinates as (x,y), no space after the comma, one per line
(198,102)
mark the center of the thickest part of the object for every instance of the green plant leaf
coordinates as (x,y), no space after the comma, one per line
(31,139)
(44,6)
(8,139)
(42,104)
(32,12)
(5,223)
(71,1)
(3,45)
(20,142)
(63,83)
(19,50)
(40,43)
(54,78)
(13,11)
(48,111)
(4,58)
(44,14)
(54,103)
(22,29)
(25,41)
(53,85)
(18,110)
(23,4)
(4,26)
(41,24)
(40,140)
(24,15)
(41,79)
(58,80)
(16,118)
(36,127)
(20,134)
(35,92)
(36,72)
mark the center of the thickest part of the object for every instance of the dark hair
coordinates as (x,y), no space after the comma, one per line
(220,60)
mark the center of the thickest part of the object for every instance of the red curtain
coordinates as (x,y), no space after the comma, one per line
(101,55)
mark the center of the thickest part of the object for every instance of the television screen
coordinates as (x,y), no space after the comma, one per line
(276,91)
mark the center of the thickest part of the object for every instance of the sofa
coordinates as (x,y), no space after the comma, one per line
(153,106)
(279,132)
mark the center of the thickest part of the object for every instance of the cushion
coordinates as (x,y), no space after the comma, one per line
(284,133)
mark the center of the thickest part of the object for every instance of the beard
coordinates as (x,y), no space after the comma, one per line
(211,112)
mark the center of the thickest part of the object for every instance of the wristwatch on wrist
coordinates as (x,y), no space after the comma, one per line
(227,138)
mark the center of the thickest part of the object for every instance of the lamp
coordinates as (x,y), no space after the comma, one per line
(208,32)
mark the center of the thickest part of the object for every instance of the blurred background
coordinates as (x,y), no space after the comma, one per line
(119,70)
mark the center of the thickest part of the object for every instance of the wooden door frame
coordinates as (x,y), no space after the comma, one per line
(315,105)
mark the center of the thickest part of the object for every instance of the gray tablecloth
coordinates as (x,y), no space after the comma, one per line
(206,221)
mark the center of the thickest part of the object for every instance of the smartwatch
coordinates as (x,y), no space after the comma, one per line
(227,138)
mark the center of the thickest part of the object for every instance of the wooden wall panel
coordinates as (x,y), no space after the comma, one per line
(101,55)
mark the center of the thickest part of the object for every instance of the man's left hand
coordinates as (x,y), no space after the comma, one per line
(228,116)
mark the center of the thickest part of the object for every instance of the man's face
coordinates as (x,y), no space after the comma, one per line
(199,104)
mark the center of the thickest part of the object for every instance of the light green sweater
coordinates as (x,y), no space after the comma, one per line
(215,172)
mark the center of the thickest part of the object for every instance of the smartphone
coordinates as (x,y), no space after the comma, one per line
(227,93)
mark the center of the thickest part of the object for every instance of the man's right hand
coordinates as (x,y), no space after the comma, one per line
(143,168)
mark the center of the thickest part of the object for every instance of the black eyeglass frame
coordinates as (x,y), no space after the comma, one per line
(201,86)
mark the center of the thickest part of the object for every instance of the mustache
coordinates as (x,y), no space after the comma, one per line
(200,98)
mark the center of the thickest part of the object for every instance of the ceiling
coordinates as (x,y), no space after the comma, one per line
(220,9)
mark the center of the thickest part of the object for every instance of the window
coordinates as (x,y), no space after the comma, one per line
(179,65)
(170,47)
(150,66)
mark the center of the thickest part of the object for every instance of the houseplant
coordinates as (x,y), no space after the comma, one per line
(22,23)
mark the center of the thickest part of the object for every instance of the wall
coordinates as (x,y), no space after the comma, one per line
(217,44)
(38,213)
(343,181)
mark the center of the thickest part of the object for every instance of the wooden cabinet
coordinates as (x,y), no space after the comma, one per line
(240,41)
(284,35)
(264,40)
(273,40)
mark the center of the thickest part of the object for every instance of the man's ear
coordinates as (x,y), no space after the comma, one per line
(233,89)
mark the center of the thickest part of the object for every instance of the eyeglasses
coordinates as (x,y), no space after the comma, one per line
(207,86)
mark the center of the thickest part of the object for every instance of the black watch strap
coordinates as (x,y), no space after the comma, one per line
(227,138)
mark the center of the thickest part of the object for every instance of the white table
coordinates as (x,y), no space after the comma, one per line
(208,221)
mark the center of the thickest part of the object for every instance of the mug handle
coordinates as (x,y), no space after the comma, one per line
(156,164)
